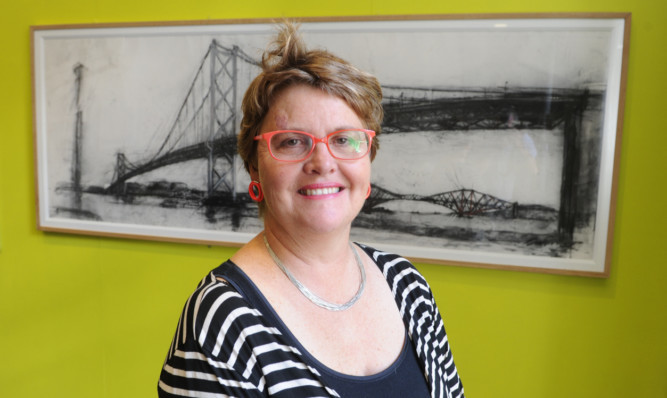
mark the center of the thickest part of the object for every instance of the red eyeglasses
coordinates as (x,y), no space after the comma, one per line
(295,145)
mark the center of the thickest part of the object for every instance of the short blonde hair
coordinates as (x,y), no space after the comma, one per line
(288,62)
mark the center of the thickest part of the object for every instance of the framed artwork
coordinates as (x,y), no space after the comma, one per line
(499,146)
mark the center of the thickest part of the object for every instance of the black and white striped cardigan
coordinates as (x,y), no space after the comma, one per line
(224,347)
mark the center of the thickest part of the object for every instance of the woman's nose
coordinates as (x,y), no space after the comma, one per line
(320,161)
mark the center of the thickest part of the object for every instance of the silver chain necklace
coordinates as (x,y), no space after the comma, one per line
(320,302)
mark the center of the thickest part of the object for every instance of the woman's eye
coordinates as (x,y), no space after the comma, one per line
(341,140)
(348,143)
(291,142)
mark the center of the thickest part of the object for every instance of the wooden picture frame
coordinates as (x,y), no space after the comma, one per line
(500,143)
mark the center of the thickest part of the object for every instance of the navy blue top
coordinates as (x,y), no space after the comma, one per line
(404,378)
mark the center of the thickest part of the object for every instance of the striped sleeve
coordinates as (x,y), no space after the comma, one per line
(423,321)
(223,347)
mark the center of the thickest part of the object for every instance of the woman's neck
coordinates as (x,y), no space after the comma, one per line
(310,255)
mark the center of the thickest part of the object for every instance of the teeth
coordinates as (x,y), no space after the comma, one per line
(321,191)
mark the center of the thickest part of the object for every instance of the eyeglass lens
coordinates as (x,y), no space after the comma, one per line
(292,145)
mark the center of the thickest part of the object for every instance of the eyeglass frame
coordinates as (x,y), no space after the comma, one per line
(324,140)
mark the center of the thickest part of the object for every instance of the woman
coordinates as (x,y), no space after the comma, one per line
(300,311)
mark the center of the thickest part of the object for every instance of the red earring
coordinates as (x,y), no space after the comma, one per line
(255,191)
(369,192)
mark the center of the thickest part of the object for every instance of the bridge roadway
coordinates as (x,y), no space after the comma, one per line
(534,109)
(222,147)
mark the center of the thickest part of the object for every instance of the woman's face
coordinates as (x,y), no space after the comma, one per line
(321,193)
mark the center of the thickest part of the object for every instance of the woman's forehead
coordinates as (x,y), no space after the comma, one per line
(300,106)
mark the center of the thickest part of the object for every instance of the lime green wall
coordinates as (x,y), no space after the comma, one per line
(92,317)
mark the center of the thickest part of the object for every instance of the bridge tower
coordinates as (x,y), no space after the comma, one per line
(121,169)
(227,67)
(78,138)
(223,96)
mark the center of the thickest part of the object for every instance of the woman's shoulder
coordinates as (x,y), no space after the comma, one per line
(218,340)
(218,312)
(214,291)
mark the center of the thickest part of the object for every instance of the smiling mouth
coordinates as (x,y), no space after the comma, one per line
(319,191)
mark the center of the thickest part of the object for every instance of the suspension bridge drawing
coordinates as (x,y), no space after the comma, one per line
(438,181)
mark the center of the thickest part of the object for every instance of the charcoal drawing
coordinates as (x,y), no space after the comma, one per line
(491,142)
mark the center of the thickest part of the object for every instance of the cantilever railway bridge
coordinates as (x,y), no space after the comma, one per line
(205,127)
(463,202)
